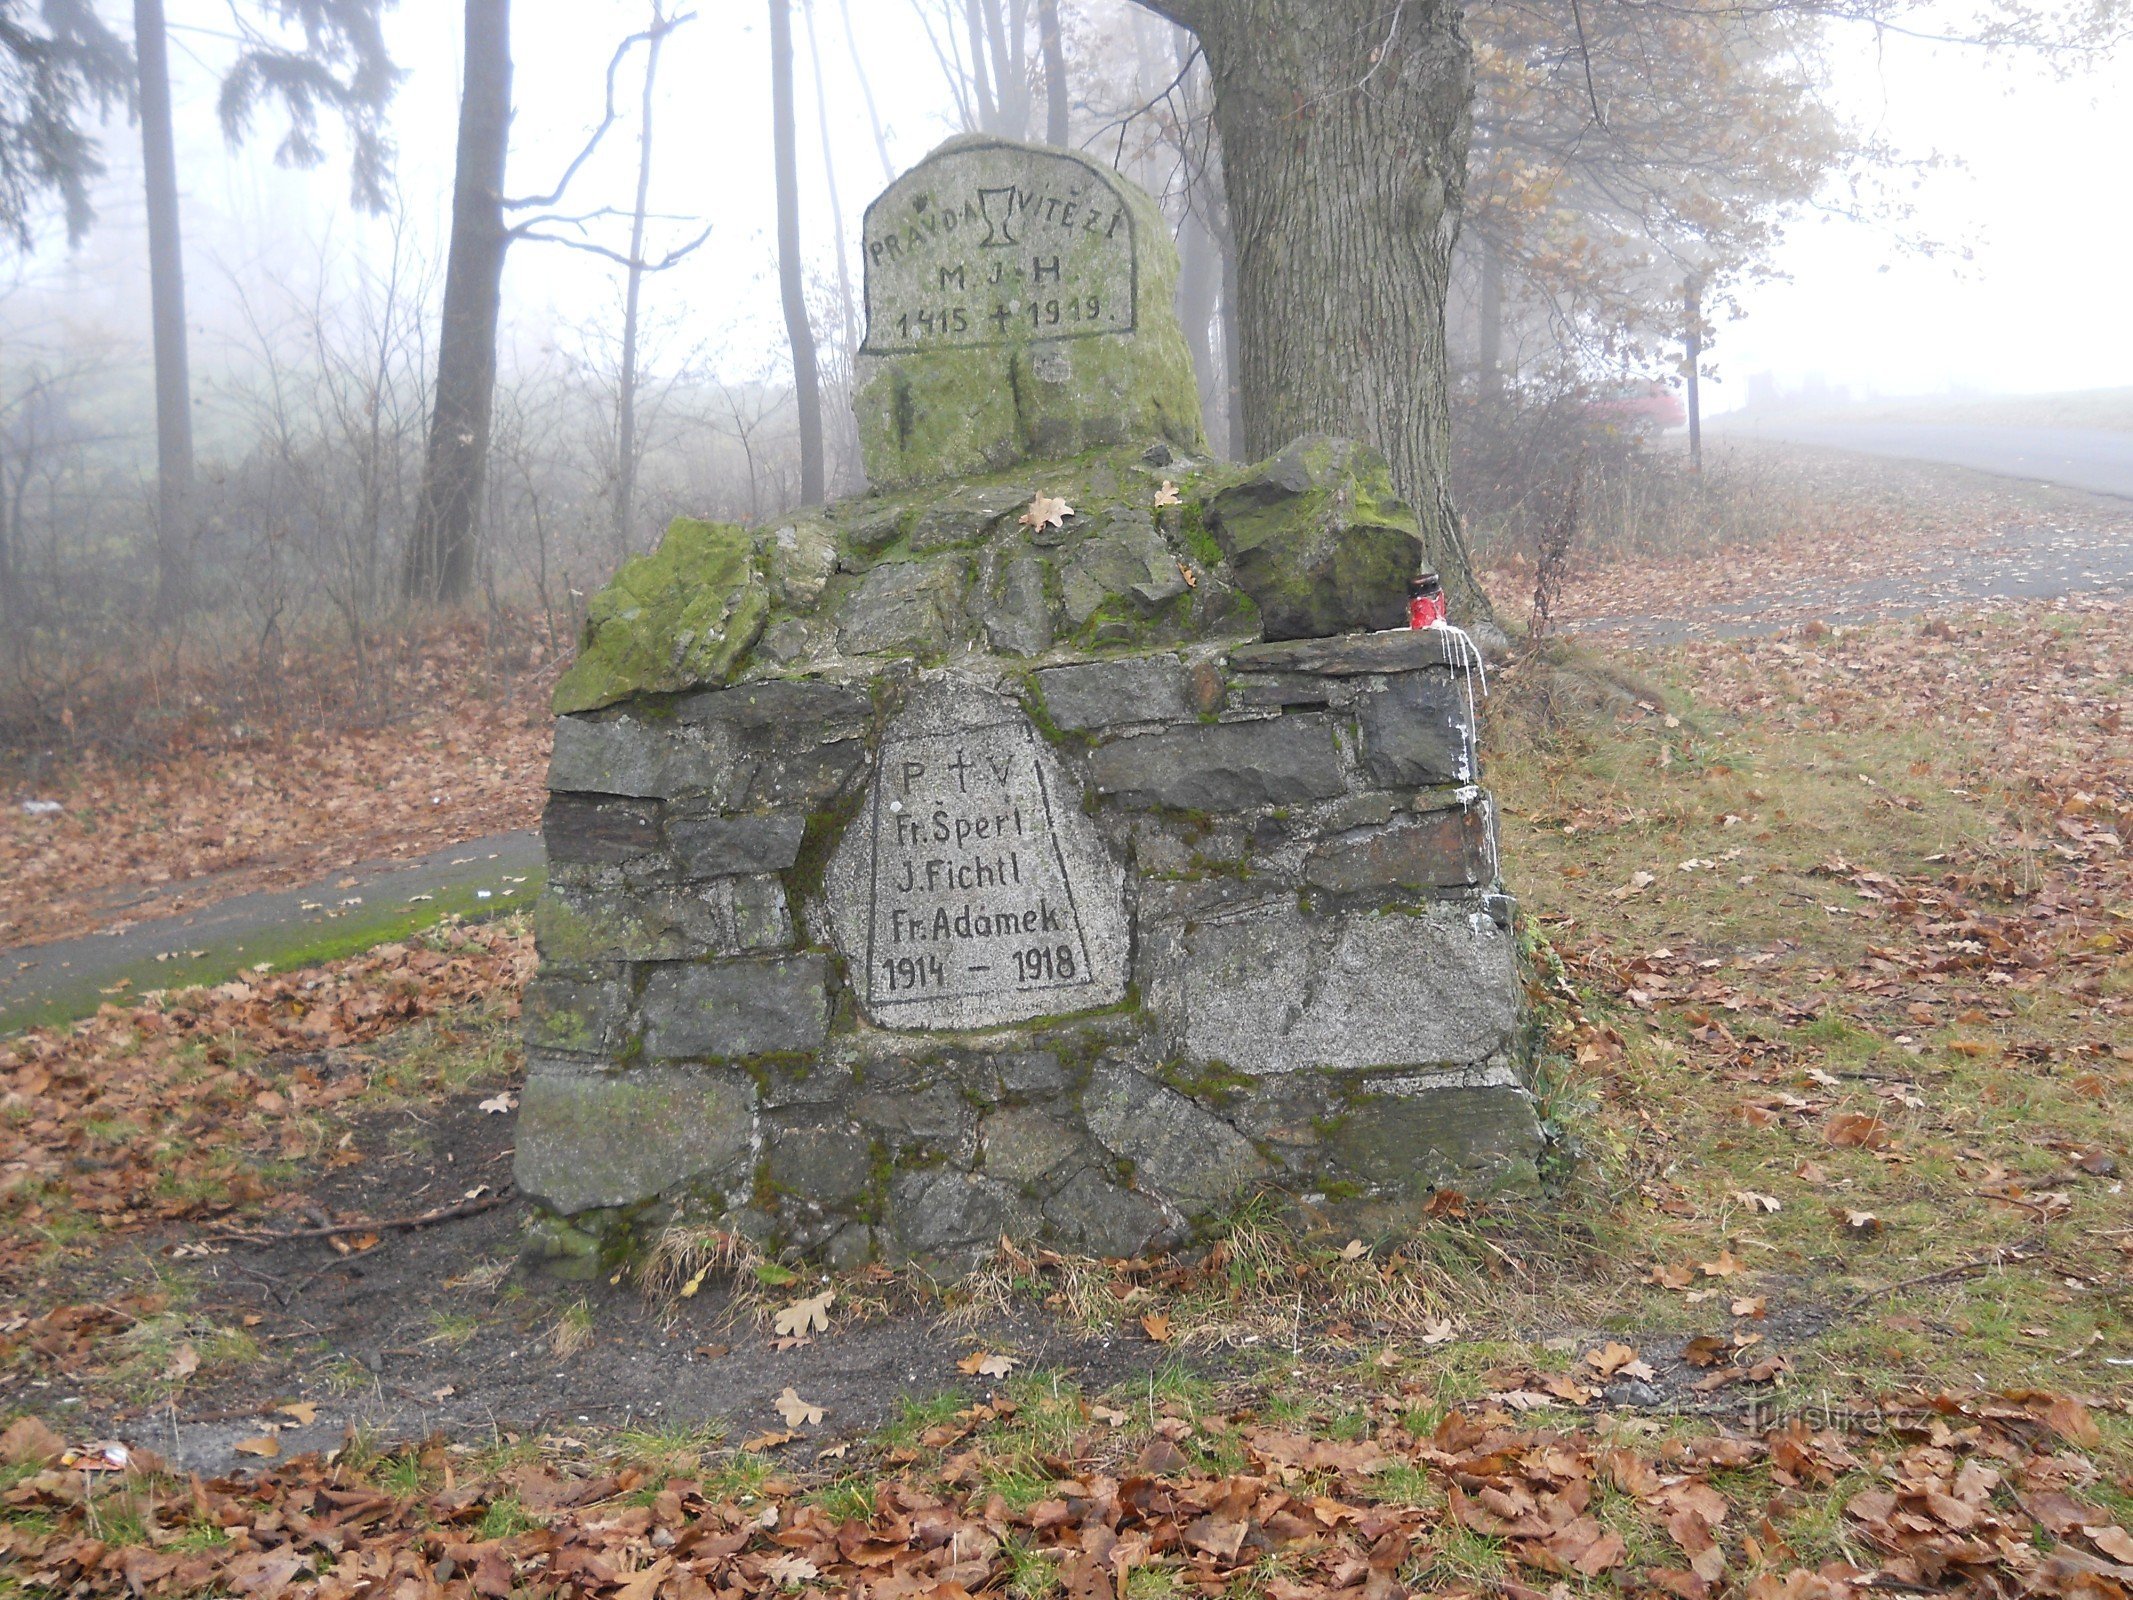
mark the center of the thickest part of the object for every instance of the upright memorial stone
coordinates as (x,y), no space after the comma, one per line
(1018,306)
(1050,851)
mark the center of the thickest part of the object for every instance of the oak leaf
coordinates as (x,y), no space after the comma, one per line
(804,1316)
(797,1412)
(1046,511)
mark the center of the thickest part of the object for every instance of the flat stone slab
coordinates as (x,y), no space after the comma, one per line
(972,891)
(1230,766)
(1354,654)
(598,1138)
(1267,990)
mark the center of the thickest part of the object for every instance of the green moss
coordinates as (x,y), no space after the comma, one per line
(1217,1082)
(681,617)
(937,414)
(1193,529)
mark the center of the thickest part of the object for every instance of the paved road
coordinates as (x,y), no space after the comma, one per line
(2082,545)
(348,911)
(2099,460)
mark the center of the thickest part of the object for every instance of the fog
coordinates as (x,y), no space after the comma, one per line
(2028,215)
(2026,235)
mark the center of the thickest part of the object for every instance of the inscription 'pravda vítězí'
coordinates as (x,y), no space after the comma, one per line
(998,245)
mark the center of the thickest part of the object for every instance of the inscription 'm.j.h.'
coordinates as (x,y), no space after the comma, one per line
(998,244)
(970,893)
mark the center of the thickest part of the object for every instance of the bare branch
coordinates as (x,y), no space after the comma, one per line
(621,258)
(608,114)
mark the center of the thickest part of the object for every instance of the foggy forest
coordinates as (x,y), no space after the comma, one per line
(1106,798)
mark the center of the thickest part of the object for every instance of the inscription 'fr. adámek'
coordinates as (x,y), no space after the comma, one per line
(984,902)
(987,245)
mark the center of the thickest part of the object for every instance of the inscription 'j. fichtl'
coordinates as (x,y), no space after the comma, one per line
(970,892)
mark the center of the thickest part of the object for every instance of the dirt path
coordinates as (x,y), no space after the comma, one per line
(1939,537)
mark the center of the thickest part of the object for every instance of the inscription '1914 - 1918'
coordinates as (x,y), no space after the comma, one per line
(995,245)
(971,894)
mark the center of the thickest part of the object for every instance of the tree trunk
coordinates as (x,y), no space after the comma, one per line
(1344,127)
(440,553)
(166,295)
(980,82)
(1055,78)
(846,301)
(1199,289)
(866,92)
(632,299)
(1232,399)
(807,388)
(1491,321)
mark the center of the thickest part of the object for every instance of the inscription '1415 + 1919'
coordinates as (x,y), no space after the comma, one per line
(974,913)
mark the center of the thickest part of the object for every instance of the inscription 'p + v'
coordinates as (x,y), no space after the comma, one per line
(962,767)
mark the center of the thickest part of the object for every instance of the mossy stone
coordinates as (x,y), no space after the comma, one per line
(1320,540)
(1019,307)
(681,617)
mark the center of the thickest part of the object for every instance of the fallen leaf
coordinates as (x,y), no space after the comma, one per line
(266,1447)
(1046,511)
(1705,1350)
(790,1569)
(499,1103)
(1859,1129)
(1757,1202)
(2112,1540)
(767,1441)
(803,1316)
(983,1364)
(29,1443)
(1167,495)
(304,1412)
(1156,1326)
(797,1412)
(184,1362)
(1353,1249)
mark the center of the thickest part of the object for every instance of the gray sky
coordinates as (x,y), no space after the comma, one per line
(2039,197)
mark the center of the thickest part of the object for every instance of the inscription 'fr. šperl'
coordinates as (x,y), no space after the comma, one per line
(998,245)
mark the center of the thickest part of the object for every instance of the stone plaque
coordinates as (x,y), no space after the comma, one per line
(971,890)
(997,244)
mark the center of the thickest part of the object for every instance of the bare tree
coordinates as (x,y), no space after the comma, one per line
(439,566)
(626,447)
(341,63)
(166,298)
(1055,73)
(799,333)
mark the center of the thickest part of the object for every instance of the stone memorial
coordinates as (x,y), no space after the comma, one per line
(1018,305)
(1061,848)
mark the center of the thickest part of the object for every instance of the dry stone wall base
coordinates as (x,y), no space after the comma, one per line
(1051,853)
(917,958)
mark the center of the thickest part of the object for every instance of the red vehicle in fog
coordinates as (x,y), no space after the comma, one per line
(1644,405)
